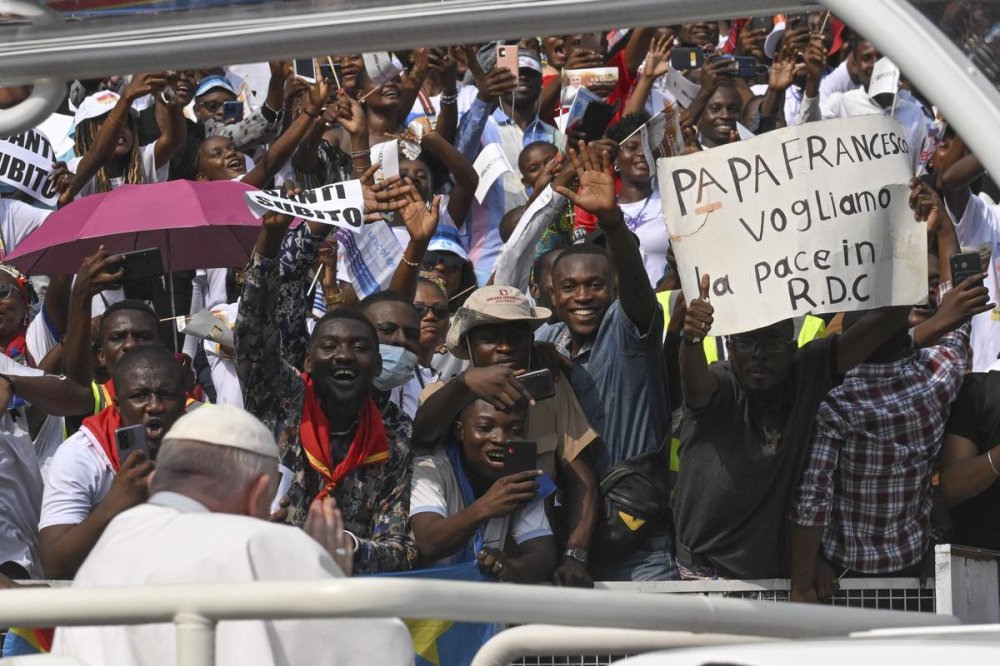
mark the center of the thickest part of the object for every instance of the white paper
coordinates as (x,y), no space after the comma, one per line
(207,326)
(57,128)
(381,66)
(25,161)
(812,218)
(490,165)
(386,154)
(371,257)
(885,80)
(339,204)
(678,85)
(744,132)
(284,483)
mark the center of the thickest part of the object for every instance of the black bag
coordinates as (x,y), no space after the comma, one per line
(634,505)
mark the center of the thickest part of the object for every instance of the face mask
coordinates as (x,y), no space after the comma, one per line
(397,367)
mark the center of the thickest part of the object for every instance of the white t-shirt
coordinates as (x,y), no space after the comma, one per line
(147,166)
(17,220)
(40,341)
(407,396)
(645,219)
(434,489)
(979,224)
(20,484)
(79,478)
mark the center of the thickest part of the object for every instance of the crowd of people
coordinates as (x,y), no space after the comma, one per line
(561,416)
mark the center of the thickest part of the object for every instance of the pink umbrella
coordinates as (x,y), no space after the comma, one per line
(196,224)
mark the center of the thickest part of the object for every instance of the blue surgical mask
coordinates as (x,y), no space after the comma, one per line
(398,365)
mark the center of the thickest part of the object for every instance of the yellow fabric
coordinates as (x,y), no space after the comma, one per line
(631,522)
(813,328)
(424,634)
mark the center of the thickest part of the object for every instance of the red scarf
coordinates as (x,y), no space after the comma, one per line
(103,426)
(369,447)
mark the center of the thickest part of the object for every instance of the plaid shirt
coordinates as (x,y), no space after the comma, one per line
(876,439)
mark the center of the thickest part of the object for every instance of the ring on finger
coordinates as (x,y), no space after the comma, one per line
(340,552)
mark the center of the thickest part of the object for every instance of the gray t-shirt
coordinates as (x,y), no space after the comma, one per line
(620,382)
(739,466)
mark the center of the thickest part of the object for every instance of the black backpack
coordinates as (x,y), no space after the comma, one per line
(634,504)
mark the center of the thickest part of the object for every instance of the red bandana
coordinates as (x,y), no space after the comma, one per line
(370,445)
(103,426)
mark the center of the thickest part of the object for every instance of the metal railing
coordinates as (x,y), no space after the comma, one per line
(195,609)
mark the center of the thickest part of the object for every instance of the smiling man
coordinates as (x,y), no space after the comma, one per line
(333,438)
(88,484)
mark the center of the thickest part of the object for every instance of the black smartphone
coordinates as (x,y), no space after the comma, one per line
(686,58)
(595,120)
(129,439)
(539,383)
(520,455)
(304,68)
(142,265)
(333,72)
(964,266)
(232,110)
(761,22)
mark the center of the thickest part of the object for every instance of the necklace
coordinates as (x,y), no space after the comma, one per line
(344,433)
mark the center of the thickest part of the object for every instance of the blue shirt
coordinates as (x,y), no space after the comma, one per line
(620,381)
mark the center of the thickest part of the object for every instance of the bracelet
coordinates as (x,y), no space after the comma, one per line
(989,453)
(449,99)
(312,114)
(335,298)
(357,543)
(358,154)
(412,264)
(691,342)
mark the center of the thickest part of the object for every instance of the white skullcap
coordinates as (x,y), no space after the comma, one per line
(224,425)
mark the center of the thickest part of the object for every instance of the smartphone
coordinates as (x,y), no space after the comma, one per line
(129,439)
(520,455)
(596,119)
(305,68)
(686,58)
(142,264)
(592,41)
(539,384)
(964,266)
(507,57)
(232,110)
(332,72)
(759,22)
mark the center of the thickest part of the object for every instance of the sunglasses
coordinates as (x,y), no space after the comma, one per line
(8,291)
(750,345)
(451,262)
(211,106)
(440,310)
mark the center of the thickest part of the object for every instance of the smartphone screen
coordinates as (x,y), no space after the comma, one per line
(507,57)
(964,266)
(520,456)
(232,110)
(305,68)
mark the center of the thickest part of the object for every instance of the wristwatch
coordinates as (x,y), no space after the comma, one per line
(578,554)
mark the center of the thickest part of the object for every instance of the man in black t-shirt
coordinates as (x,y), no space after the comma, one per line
(745,436)
(970,462)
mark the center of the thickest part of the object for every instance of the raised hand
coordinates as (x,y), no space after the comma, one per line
(963,302)
(497,385)
(508,494)
(658,58)
(98,272)
(144,84)
(784,69)
(383,197)
(596,193)
(421,222)
(325,524)
(815,57)
(926,204)
(698,318)
(351,114)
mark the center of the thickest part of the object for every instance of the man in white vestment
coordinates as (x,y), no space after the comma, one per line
(205,522)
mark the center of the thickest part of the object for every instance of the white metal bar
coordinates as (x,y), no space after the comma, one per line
(545,640)
(937,67)
(47,91)
(447,600)
(195,640)
(182,40)
(763,585)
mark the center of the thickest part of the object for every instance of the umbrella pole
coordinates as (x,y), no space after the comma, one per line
(173,308)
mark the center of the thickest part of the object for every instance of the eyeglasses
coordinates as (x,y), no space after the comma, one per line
(451,262)
(439,310)
(211,105)
(750,345)
(8,291)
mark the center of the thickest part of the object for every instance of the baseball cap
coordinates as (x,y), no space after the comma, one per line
(211,82)
(447,239)
(529,61)
(95,106)
(224,425)
(492,304)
